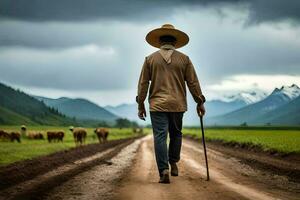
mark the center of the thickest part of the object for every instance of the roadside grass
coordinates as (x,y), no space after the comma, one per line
(283,141)
(28,148)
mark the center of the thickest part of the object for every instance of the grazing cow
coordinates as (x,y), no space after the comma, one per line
(15,136)
(102,134)
(60,136)
(79,135)
(55,136)
(10,136)
(36,136)
(4,135)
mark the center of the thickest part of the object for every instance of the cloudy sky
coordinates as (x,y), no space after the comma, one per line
(94,49)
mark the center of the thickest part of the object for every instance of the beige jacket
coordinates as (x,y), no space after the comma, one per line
(168,76)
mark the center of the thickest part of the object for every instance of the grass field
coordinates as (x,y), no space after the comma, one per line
(285,141)
(12,152)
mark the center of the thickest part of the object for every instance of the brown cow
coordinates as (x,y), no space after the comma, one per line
(79,135)
(35,135)
(10,136)
(102,134)
(15,136)
(55,136)
(4,135)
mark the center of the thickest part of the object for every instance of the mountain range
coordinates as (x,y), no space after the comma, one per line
(213,107)
(281,107)
(128,111)
(81,109)
(283,102)
(254,108)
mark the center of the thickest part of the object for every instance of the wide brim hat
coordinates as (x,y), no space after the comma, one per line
(167,29)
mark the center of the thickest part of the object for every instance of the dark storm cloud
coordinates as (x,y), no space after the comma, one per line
(274,10)
(77,10)
(74,10)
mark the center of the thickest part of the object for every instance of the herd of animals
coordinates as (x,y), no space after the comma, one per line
(79,135)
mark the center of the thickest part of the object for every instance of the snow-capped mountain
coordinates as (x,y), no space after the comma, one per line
(290,92)
(262,111)
(247,97)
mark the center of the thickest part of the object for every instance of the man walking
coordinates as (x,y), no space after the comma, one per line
(168,70)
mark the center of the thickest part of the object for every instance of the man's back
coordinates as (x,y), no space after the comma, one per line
(167,91)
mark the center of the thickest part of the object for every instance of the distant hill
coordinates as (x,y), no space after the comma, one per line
(129,111)
(19,108)
(263,111)
(213,108)
(10,117)
(288,114)
(221,106)
(81,109)
(124,110)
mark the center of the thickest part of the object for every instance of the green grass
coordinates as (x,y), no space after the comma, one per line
(284,141)
(12,152)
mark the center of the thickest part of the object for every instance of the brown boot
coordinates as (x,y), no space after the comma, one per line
(174,169)
(165,177)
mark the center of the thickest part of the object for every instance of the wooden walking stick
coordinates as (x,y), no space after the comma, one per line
(204,148)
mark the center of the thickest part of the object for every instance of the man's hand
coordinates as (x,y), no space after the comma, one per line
(200,110)
(142,112)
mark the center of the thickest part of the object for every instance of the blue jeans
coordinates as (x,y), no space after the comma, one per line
(162,123)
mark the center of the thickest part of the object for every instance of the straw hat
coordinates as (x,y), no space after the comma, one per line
(167,29)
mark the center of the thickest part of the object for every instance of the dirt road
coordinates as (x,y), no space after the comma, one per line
(229,178)
(127,170)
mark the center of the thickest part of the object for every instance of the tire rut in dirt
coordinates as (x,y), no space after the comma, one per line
(101,181)
(41,190)
(21,171)
(287,166)
(231,167)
